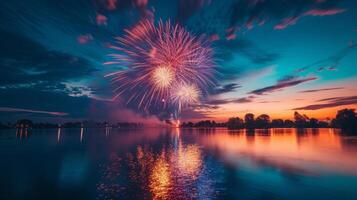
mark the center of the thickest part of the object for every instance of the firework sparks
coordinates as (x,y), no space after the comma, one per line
(163,76)
(185,94)
(164,63)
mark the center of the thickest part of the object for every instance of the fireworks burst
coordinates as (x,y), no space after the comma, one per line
(185,94)
(164,63)
(163,76)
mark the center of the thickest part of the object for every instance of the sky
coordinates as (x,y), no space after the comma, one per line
(272,57)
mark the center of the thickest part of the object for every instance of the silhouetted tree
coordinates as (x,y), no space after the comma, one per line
(188,124)
(289,124)
(277,123)
(345,119)
(72,125)
(249,120)
(235,123)
(2,126)
(262,121)
(44,125)
(205,123)
(323,124)
(24,123)
(300,120)
(313,123)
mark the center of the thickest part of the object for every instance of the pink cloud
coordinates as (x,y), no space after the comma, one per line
(115,112)
(230,30)
(281,84)
(261,22)
(324,12)
(214,37)
(286,22)
(313,12)
(112,4)
(332,68)
(141,3)
(231,36)
(249,24)
(101,19)
(83,39)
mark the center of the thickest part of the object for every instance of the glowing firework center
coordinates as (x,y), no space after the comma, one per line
(164,63)
(163,76)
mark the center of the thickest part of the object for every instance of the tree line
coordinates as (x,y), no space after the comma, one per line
(345,119)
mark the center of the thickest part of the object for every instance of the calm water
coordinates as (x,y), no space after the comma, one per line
(178,164)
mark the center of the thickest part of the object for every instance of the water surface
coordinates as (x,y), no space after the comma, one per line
(178,164)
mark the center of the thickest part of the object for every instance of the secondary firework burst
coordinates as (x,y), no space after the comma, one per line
(163,63)
(185,94)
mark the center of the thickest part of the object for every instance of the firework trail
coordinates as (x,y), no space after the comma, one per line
(165,66)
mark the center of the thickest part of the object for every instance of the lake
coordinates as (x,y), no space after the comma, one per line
(174,163)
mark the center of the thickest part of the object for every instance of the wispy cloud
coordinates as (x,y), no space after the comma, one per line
(286,22)
(332,62)
(281,84)
(269,101)
(330,103)
(215,103)
(225,88)
(320,90)
(248,99)
(84,39)
(8,109)
(313,12)
(324,12)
